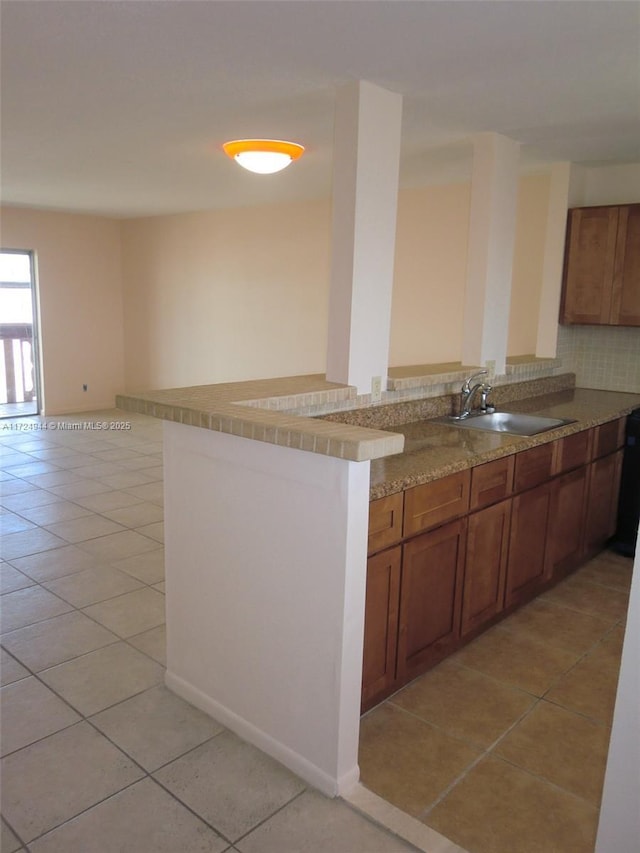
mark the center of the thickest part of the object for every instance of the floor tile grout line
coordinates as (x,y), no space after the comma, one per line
(100,567)
(84,811)
(486,753)
(17,835)
(584,612)
(437,727)
(79,545)
(558,678)
(566,648)
(547,781)
(277,811)
(190,809)
(583,657)
(74,608)
(595,720)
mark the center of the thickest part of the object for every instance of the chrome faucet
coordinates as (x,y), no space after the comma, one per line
(469,392)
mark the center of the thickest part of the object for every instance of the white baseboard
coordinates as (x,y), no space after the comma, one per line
(292,760)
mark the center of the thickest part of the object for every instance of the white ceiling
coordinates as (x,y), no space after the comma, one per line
(121,107)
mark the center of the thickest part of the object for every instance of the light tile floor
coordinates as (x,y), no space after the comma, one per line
(97,755)
(502,747)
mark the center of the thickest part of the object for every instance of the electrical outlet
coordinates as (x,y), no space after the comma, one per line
(376,389)
(85,387)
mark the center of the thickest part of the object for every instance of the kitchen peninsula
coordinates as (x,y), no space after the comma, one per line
(266,520)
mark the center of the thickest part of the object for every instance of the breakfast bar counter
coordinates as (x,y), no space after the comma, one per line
(266,543)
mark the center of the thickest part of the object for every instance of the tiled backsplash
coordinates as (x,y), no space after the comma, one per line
(603,357)
(407,411)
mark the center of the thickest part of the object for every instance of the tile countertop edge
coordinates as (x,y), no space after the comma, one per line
(343,441)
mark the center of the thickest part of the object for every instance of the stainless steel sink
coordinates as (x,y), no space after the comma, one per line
(509,422)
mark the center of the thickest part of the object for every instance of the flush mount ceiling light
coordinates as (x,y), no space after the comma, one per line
(263,155)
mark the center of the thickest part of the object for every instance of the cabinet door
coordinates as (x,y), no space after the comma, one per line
(589,265)
(602,501)
(486,565)
(625,307)
(566,523)
(381,625)
(527,541)
(430,598)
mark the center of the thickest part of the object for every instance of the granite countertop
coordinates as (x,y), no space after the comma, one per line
(435,450)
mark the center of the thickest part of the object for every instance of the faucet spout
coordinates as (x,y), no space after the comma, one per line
(469,392)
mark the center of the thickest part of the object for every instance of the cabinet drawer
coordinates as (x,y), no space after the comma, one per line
(385,522)
(491,482)
(572,451)
(432,504)
(533,467)
(608,437)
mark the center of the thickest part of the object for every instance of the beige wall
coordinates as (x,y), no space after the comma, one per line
(80,296)
(430,275)
(531,223)
(242,294)
(226,295)
(217,296)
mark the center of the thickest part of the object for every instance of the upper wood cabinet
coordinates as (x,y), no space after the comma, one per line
(602,267)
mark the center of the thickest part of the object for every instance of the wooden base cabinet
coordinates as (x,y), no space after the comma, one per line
(485,571)
(381,625)
(602,502)
(526,572)
(497,536)
(430,598)
(566,523)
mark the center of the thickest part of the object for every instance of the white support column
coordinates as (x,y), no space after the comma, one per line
(365,196)
(547,338)
(492,224)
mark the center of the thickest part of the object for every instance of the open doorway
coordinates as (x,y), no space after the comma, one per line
(19,375)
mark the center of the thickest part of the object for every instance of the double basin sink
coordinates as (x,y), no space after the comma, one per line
(512,423)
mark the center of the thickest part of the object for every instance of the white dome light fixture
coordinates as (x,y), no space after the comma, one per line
(263,156)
